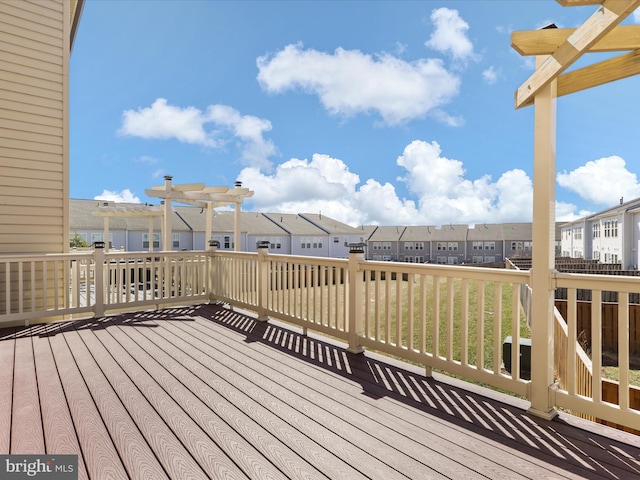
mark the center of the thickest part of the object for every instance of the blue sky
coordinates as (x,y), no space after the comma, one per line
(371,112)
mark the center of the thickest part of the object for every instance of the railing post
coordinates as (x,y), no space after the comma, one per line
(212,248)
(98,279)
(543,252)
(263,280)
(356,255)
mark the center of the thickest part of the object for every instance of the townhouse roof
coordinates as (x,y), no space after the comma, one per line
(517,231)
(416,233)
(295,224)
(82,216)
(387,234)
(457,232)
(331,225)
(485,231)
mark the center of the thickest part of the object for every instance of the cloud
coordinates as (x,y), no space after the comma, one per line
(490,76)
(602,181)
(450,34)
(124,196)
(440,193)
(162,121)
(349,82)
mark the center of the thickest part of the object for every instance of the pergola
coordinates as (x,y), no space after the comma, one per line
(555,51)
(196,194)
(199,195)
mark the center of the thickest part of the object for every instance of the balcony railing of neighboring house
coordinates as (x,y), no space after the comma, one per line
(454,319)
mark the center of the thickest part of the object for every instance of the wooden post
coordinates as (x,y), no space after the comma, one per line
(263,280)
(543,252)
(356,255)
(167,242)
(98,279)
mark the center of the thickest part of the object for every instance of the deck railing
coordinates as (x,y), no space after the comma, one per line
(451,318)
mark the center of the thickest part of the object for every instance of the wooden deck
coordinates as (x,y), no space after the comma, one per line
(206,392)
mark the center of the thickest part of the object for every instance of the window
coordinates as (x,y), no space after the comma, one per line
(386,245)
(176,240)
(452,260)
(452,246)
(420,246)
(96,237)
(478,259)
(408,259)
(377,245)
(517,245)
(611,228)
(419,259)
(596,254)
(145,240)
(596,230)
(408,245)
(489,245)
(336,239)
(442,246)
(577,233)
(489,259)
(478,246)
(227,242)
(441,260)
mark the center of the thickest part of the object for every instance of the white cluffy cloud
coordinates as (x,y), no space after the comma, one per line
(162,121)
(450,34)
(438,184)
(349,82)
(124,196)
(602,181)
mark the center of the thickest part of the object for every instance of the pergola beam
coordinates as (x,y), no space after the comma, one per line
(610,14)
(546,41)
(600,73)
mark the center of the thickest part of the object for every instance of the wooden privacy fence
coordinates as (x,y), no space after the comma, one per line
(609,325)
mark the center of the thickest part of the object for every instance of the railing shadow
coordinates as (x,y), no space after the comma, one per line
(572,445)
(594,451)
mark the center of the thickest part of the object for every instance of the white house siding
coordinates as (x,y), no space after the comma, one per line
(34,65)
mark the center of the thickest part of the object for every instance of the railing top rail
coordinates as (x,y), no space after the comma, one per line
(479,273)
(618,283)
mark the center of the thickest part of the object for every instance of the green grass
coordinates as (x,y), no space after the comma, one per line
(394,306)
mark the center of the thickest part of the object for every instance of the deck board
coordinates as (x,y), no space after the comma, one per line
(226,426)
(97,449)
(207,392)
(26,422)
(59,431)
(196,443)
(7,349)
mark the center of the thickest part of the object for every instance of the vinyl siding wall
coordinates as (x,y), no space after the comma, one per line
(34,66)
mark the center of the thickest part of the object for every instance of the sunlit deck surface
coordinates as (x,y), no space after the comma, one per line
(207,392)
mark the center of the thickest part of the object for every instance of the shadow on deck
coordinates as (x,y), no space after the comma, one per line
(207,392)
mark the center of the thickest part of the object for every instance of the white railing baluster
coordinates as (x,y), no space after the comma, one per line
(623,350)
(596,345)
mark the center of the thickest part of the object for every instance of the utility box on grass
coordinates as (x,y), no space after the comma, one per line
(525,355)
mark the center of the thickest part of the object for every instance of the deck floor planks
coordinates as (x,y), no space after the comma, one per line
(142,431)
(7,351)
(26,423)
(333,392)
(99,453)
(403,453)
(275,387)
(228,398)
(225,425)
(370,457)
(59,432)
(477,439)
(199,441)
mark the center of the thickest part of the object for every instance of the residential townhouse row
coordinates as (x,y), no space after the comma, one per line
(301,234)
(610,236)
